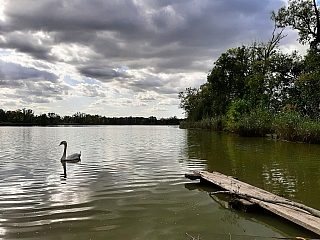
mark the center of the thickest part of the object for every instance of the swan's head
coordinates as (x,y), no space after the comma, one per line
(63,143)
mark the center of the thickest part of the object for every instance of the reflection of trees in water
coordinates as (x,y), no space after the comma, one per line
(289,169)
(280,180)
(292,171)
(276,166)
(207,146)
(223,200)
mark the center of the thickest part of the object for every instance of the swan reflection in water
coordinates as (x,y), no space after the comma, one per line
(64,165)
(73,158)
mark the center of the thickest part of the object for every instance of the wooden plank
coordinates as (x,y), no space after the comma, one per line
(274,203)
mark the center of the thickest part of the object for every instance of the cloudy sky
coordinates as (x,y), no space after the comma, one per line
(119,57)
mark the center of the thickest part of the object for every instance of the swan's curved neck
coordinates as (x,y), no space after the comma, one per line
(64,152)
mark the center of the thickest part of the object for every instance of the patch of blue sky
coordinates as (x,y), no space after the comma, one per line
(71,81)
(91,81)
(4,52)
(123,68)
(74,82)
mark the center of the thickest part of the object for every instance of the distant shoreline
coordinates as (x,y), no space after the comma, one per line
(26,117)
(80,124)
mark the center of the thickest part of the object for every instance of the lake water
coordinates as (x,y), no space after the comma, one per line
(130,183)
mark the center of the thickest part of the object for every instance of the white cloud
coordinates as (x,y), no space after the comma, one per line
(146,97)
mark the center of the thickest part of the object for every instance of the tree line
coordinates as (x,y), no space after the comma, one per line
(250,88)
(27,117)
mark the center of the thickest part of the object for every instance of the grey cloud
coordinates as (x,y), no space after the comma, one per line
(147,83)
(34,99)
(26,43)
(190,23)
(105,74)
(40,92)
(12,71)
(217,23)
(43,89)
(93,91)
(10,84)
(27,99)
(166,90)
(62,15)
(30,85)
(71,36)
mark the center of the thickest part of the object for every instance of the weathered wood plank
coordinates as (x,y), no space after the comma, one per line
(274,203)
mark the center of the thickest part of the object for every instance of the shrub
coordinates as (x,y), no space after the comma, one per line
(292,126)
(215,124)
(255,123)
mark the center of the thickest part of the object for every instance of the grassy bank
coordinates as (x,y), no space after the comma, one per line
(288,126)
(293,127)
(214,124)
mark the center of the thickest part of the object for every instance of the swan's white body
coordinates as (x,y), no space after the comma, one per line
(73,157)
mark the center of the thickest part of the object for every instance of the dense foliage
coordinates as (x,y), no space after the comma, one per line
(27,117)
(257,89)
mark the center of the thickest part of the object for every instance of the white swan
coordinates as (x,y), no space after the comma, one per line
(71,158)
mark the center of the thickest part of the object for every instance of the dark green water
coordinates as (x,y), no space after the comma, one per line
(285,168)
(130,183)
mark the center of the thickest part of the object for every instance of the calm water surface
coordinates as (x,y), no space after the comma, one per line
(130,183)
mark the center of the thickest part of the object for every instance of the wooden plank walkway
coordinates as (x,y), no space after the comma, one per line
(300,214)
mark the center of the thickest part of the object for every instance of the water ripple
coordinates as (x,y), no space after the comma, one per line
(130,182)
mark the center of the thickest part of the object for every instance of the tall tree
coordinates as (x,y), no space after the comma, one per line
(189,101)
(301,15)
(227,78)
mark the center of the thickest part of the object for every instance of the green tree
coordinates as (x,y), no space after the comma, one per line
(227,78)
(43,119)
(53,118)
(306,95)
(3,116)
(301,15)
(28,115)
(189,101)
